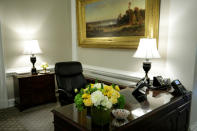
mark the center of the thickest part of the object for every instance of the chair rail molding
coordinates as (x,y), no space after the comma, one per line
(23,70)
(116,76)
(3,89)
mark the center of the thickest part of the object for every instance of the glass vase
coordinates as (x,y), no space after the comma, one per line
(100,117)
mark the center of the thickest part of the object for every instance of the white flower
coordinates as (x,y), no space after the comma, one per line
(97,85)
(106,103)
(109,105)
(97,97)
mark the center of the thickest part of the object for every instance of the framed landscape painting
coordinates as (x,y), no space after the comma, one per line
(116,23)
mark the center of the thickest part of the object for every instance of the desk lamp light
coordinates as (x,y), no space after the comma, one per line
(147,49)
(32,48)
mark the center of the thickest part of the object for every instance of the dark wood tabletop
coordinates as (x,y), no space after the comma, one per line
(150,111)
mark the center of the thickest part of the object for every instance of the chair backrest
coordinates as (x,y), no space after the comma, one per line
(69,77)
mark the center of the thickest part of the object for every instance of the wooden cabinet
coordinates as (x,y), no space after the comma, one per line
(33,90)
(173,116)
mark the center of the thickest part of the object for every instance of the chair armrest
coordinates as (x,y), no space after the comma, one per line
(61,91)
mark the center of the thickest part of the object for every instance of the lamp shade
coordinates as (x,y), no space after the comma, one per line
(32,47)
(147,49)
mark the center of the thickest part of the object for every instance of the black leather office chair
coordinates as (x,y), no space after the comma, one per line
(69,77)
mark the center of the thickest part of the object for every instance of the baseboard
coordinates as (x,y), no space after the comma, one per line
(3,104)
(193,127)
(11,102)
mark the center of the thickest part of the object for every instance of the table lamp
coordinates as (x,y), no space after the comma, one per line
(147,49)
(32,48)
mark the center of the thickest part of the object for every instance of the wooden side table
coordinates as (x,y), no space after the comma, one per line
(31,90)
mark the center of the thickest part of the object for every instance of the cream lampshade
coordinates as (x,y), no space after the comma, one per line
(147,49)
(31,48)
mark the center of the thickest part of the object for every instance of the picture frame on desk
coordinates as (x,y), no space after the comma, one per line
(103,26)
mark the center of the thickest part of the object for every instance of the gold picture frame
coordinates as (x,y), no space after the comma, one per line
(152,11)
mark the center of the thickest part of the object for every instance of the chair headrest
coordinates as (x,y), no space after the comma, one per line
(68,68)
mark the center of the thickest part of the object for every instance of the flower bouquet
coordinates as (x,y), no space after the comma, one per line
(44,67)
(101,99)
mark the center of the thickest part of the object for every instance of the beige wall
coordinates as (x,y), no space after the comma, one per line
(193,120)
(182,49)
(48,21)
(44,20)
(122,59)
(182,41)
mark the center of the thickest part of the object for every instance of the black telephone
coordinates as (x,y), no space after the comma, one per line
(179,89)
(160,83)
(140,91)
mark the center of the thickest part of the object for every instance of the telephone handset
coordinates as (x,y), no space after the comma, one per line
(160,83)
(179,89)
(140,91)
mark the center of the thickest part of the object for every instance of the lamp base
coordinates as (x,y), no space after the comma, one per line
(147,67)
(33,61)
(34,71)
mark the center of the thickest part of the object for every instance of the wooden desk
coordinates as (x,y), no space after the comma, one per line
(31,90)
(172,116)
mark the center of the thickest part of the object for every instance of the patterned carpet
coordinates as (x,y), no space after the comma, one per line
(39,118)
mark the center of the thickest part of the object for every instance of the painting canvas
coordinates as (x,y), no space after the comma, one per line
(116,23)
(124,18)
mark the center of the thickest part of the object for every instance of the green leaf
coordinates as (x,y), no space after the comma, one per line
(79,102)
(96,81)
(89,87)
(113,85)
(101,85)
(121,102)
(93,90)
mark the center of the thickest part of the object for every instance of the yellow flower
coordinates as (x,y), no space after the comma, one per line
(117,88)
(116,94)
(87,102)
(113,100)
(44,65)
(76,90)
(86,96)
(92,85)
(107,88)
(104,92)
(113,94)
(86,89)
(109,93)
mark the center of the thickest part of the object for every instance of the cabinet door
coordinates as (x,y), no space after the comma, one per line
(39,89)
(25,92)
(25,101)
(176,120)
(51,88)
(167,123)
(25,85)
(44,89)
(183,119)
